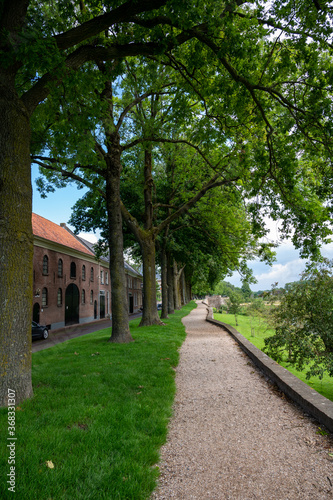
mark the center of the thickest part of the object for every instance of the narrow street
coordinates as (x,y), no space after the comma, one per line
(70,332)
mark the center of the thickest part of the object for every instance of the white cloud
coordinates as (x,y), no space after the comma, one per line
(281,274)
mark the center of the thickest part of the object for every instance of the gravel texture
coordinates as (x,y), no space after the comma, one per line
(233,435)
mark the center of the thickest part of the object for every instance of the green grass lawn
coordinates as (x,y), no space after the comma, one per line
(324,386)
(99,414)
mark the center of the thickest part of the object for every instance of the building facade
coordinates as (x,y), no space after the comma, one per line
(70,285)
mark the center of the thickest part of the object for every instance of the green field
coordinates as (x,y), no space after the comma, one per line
(259,330)
(98,417)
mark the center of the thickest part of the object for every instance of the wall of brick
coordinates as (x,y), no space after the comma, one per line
(95,288)
(54,313)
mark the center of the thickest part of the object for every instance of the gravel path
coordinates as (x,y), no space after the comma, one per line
(233,436)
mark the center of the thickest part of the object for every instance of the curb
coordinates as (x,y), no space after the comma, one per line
(310,400)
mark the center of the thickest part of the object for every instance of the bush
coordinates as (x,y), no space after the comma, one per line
(304,322)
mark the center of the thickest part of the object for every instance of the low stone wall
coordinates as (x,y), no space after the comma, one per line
(215,301)
(310,400)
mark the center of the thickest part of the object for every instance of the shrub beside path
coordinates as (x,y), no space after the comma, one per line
(233,435)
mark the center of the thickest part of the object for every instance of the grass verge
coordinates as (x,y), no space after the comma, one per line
(99,416)
(324,386)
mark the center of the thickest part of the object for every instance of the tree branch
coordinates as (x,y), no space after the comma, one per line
(64,162)
(212,183)
(98,24)
(173,141)
(136,101)
(73,176)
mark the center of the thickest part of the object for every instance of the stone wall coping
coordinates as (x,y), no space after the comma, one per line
(309,399)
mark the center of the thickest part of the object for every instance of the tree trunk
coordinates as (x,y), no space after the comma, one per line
(171,303)
(175,285)
(164,276)
(16,248)
(183,288)
(120,326)
(188,291)
(147,242)
(150,315)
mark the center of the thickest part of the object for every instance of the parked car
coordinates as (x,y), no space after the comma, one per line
(39,331)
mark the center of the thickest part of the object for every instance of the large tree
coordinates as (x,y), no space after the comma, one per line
(87,138)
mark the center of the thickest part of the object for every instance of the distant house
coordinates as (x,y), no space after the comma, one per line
(70,285)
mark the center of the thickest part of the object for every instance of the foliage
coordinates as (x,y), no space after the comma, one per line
(100,414)
(224,288)
(303,322)
(246,290)
(234,304)
(256,307)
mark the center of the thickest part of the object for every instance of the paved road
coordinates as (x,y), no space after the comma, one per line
(70,332)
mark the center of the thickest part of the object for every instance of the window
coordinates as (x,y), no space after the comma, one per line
(92,274)
(83,272)
(83,297)
(106,278)
(60,268)
(73,270)
(59,300)
(102,277)
(45,265)
(91,297)
(44,297)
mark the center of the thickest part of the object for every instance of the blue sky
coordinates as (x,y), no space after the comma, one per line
(288,267)
(57,206)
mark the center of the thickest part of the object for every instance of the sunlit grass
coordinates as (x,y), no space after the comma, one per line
(99,414)
(256,331)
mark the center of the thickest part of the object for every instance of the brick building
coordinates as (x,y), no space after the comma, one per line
(70,285)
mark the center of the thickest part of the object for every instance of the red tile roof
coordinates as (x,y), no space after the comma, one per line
(50,231)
